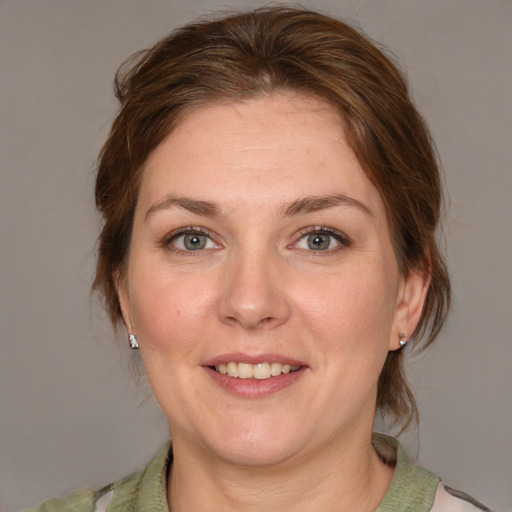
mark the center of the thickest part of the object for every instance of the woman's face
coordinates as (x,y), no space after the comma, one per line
(261,249)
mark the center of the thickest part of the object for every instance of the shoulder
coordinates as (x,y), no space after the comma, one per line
(415,488)
(452,500)
(139,491)
(87,500)
(80,501)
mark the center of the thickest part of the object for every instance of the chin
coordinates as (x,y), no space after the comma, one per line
(258,445)
(256,454)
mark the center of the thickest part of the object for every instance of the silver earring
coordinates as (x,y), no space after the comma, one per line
(403,339)
(133,342)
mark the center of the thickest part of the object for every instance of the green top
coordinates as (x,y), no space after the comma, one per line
(412,488)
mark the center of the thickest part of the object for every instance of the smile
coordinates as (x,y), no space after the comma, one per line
(260,371)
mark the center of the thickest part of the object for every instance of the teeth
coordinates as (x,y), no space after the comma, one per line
(233,370)
(261,371)
(275,369)
(258,371)
(245,371)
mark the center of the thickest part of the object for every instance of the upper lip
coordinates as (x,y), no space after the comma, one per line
(238,357)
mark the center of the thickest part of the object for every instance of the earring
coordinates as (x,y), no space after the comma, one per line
(133,342)
(403,339)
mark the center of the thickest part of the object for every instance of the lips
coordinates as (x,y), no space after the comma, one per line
(259,375)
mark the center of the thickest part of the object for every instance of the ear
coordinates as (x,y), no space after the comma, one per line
(123,296)
(410,301)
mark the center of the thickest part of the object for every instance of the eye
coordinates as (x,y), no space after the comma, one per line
(321,239)
(190,240)
(318,241)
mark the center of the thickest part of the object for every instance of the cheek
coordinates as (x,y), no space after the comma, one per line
(352,312)
(168,309)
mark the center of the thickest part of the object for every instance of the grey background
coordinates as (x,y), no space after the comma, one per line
(71,414)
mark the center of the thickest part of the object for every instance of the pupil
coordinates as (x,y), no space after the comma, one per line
(318,241)
(194,242)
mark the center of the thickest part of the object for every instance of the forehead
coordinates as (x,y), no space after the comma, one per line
(277,146)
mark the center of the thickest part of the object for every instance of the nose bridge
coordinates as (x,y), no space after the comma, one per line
(252,294)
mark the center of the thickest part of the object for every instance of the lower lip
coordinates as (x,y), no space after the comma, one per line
(255,388)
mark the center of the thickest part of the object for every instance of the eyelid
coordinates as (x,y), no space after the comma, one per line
(166,241)
(341,237)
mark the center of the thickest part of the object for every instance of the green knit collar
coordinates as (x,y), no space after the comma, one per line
(412,487)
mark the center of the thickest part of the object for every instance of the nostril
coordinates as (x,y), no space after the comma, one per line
(265,321)
(252,324)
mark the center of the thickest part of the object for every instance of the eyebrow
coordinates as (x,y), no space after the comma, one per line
(315,203)
(299,207)
(205,208)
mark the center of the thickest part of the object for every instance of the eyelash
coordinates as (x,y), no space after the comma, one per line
(166,241)
(342,238)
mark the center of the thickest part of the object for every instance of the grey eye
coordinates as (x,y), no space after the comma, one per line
(319,241)
(194,241)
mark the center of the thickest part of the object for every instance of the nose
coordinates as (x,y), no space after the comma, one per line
(253,293)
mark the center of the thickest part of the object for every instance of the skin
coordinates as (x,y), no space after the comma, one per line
(257,287)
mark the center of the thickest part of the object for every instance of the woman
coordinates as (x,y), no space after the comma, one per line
(270,199)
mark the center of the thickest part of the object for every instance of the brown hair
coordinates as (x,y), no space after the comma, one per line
(279,49)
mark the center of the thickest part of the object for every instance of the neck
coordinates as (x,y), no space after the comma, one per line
(346,476)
